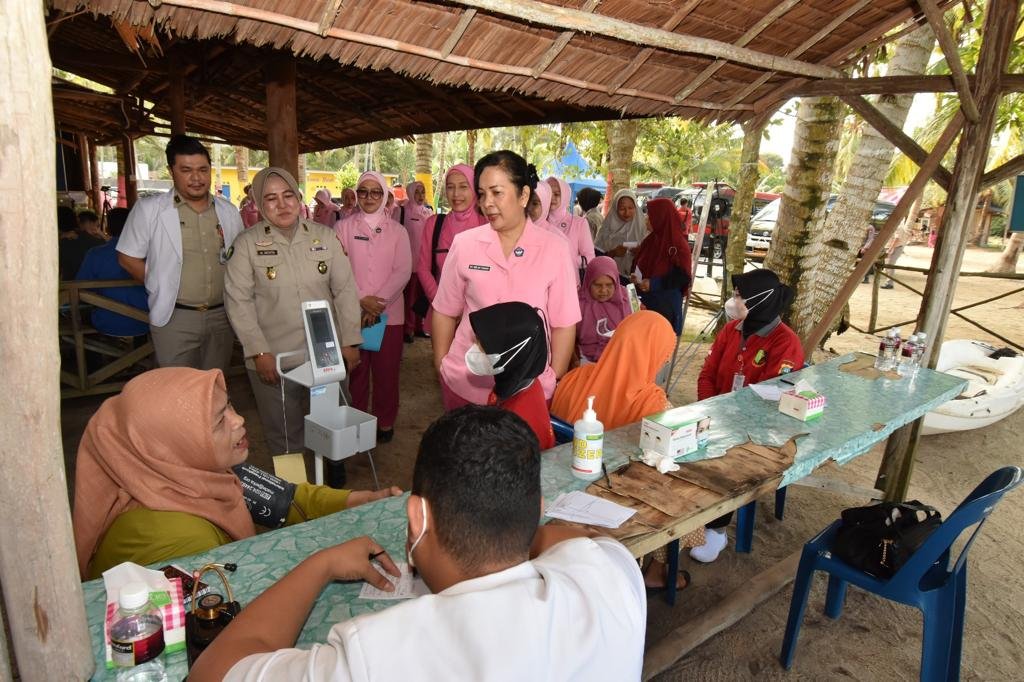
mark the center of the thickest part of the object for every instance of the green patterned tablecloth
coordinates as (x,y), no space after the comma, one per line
(847,429)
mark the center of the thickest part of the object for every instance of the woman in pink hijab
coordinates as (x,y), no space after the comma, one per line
(460,192)
(414,216)
(538,209)
(348,202)
(378,249)
(575,228)
(603,305)
(326,211)
(249,211)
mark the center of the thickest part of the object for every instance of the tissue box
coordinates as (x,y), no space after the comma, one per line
(804,405)
(674,433)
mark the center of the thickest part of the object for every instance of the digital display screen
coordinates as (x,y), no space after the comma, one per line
(325,349)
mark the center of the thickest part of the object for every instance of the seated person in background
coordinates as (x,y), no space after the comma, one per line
(101,263)
(510,601)
(622,381)
(153,478)
(75,242)
(512,346)
(756,345)
(602,297)
(663,259)
(89,225)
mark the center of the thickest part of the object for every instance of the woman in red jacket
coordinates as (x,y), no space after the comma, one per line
(756,345)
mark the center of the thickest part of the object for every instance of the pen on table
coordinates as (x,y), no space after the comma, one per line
(606,479)
(373,557)
(787,381)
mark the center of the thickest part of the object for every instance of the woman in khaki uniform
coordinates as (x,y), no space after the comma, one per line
(273,267)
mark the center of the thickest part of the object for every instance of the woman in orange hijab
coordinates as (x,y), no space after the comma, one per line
(154,479)
(623,379)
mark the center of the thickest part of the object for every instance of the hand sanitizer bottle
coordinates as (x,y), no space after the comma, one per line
(587,444)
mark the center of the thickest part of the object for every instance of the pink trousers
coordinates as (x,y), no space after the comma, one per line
(383,366)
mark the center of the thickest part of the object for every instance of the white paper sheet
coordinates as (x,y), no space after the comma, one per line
(406,586)
(768,391)
(580,507)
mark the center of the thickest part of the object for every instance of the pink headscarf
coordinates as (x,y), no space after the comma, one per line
(382,209)
(560,214)
(543,191)
(614,309)
(326,211)
(346,212)
(413,207)
(460,221)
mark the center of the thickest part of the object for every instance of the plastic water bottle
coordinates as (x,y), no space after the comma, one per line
(919,350)
(137,637)
(588,444)
(894,349)
(886,351)
(908,357)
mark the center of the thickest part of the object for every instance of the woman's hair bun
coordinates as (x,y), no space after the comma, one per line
(531,176)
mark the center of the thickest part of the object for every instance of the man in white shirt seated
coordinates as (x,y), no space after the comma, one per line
(510,601)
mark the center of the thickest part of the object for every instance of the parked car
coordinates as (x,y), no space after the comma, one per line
(762,225)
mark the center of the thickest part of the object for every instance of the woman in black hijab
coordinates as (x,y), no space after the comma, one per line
(512,346)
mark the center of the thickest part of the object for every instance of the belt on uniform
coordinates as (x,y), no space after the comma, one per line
(201,308)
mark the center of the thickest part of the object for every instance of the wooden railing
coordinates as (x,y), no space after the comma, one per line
(78,336)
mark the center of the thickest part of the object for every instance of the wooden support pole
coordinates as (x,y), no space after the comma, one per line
(131,181)
(94,177)
(176,97)
(42,591)
(282,121)
(972,154)
(870,255)
(722,615)
(566,18)
(1010,169)
(952,54)
(894,134)
(83,163)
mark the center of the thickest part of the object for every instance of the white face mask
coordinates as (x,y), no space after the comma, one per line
(485,364)
(408,554)
(736,308)
(602,328)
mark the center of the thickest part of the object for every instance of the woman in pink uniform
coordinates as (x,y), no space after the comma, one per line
(414,218)
(460,192)
(537,211)
(575,228)
(378,249)
(511,259)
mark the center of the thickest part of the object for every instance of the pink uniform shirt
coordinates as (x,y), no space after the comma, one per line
(575,228)
(378,249)
(477,274)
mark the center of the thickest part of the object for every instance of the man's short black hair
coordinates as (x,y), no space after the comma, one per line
(87,216)
(185,145)
(67,221)
(479,467)
(588,198)
(116,218)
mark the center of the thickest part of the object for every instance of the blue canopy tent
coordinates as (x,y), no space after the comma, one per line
(576,171)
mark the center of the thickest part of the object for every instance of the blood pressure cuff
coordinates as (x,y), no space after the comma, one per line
(267,497)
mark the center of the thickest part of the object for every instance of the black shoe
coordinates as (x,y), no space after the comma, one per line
(886,286)
(422,334)
(385,436)
(408,338)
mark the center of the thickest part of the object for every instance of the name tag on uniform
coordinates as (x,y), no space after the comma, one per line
(484,268)
(362,239)
(266,252)
(318,248)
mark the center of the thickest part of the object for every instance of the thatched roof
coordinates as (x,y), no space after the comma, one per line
(373,69)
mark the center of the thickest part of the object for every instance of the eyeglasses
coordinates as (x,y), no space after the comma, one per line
(372,193)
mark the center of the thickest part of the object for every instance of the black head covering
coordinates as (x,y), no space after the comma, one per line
(500,327)
(759,314)
(588,198)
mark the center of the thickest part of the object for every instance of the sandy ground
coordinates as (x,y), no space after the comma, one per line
(874,640)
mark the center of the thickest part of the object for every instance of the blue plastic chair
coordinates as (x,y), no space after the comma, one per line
(926,580)
(562,430)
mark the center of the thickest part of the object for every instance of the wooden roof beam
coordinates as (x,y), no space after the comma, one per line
(744,40)
(329,15)
(1009,169)
(880,122)
(895,85)
(457,32)
(800,49)
(563,17)
(952,54)
(560,42)
(641,58)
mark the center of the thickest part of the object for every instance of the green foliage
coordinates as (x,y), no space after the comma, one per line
(685,151)
(348,175)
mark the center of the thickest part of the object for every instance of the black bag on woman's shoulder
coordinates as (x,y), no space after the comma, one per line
(880,538)
(421,306)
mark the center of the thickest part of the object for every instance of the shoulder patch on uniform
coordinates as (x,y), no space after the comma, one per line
(786,367)
(759,358)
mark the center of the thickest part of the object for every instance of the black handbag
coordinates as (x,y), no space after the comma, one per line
(421,306)
(880,538)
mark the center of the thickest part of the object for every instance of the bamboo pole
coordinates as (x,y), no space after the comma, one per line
(38,570)
(95,180)
(972,154)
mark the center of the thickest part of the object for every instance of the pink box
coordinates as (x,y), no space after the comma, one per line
(803,405)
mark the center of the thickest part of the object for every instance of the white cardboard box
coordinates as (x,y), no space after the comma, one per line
(675,432)
(803,405)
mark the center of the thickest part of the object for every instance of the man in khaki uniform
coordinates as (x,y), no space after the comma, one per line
(275,265)
(176,244)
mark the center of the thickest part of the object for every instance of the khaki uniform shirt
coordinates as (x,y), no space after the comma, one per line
(268,277)
(202,241)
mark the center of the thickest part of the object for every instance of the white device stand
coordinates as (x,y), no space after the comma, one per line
(332,430)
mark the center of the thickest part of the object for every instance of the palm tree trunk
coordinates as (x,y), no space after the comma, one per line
(242,165)
(424,153)
(794,250)
(735,252)
(471,147)
(621,143)
(838,243)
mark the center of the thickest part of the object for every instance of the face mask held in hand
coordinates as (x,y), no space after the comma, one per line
(485,364)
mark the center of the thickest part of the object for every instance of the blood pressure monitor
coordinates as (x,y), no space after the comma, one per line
(322,343)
